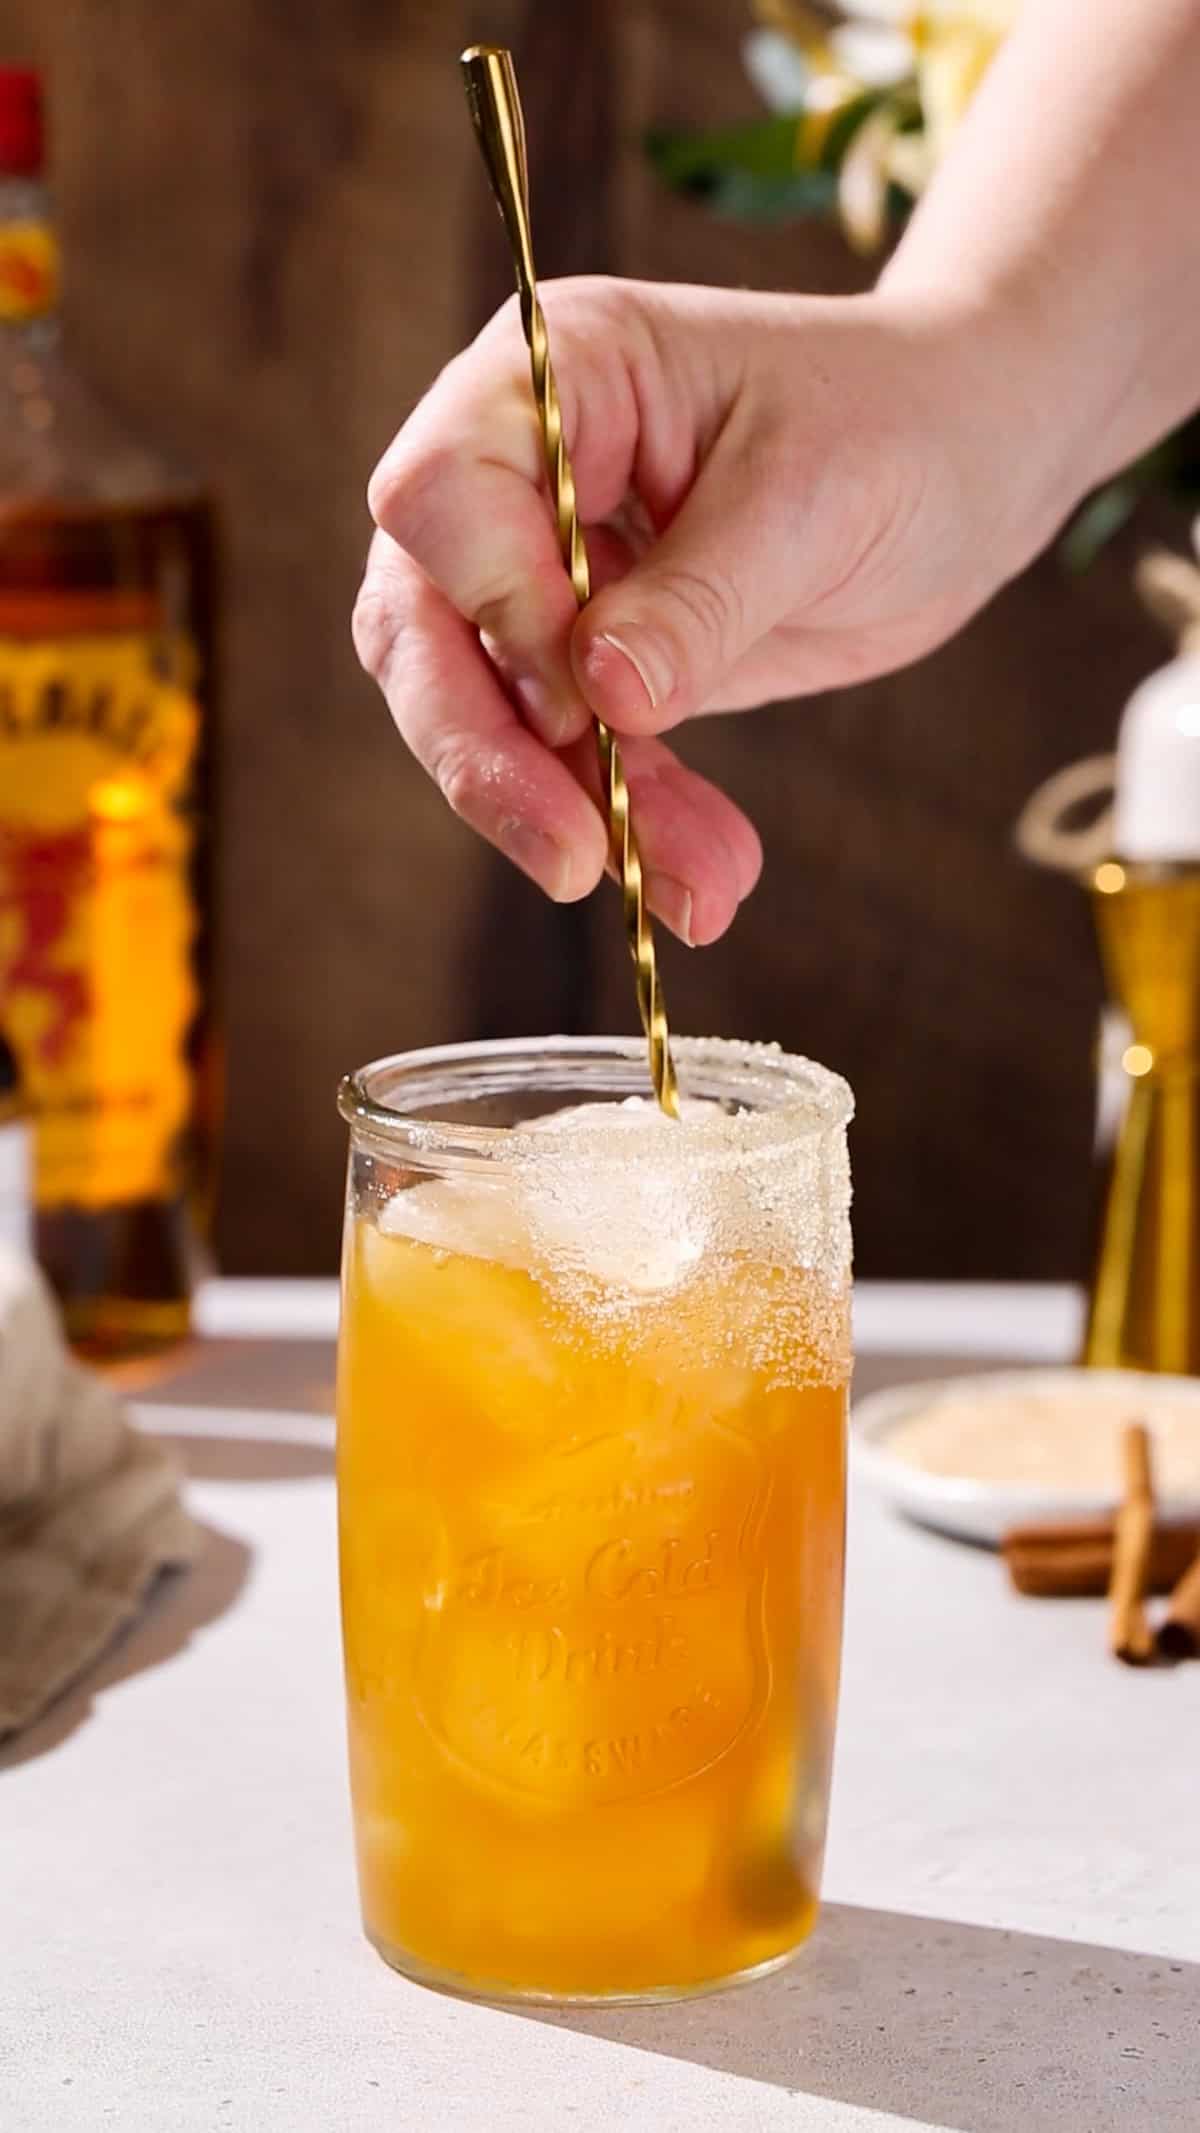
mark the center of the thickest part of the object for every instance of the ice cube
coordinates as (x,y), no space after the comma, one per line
(478,1216)
(626,1225)
(555,1208)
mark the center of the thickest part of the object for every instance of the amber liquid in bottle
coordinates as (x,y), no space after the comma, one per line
(105,911)
(106,803)
(1145,1301)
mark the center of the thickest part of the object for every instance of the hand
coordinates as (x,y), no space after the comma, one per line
(780,495)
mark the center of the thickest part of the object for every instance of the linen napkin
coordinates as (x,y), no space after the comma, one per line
(90,1510)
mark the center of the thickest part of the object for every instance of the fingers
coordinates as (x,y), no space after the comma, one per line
(701,856)
(463,491)
(483,535)
(448,704)
(654,647)
(543,811)
(467,615)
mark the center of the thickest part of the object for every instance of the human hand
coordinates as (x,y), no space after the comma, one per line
(780,495)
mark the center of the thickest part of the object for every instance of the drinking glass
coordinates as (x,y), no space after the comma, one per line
(591,1446)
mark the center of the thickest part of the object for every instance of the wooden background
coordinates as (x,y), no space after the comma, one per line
(277,230)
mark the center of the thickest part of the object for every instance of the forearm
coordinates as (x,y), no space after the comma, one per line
(1064,227)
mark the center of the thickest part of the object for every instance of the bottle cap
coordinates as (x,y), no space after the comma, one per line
(22,132)
(1156,812)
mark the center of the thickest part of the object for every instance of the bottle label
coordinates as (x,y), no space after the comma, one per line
(97,741)
(29,269)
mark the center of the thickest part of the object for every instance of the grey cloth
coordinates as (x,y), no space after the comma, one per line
(90,1510)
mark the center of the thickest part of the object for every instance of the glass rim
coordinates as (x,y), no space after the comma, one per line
(777,1098)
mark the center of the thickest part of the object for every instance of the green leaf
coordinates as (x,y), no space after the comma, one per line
(772,148)
(737,197)
(765,148)
(771,170)
(848,118)
(1098,518)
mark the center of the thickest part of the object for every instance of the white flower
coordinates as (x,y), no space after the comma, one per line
(940,51)
(778,70)
(875,53)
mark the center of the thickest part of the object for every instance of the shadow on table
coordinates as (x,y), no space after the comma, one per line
(214,1458)
(182,1602)
(960,2027)
(267,1376)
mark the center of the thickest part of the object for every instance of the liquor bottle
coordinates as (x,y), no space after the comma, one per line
(1144,1308)
(106,749)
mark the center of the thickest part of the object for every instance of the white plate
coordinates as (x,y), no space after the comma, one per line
(984,1510)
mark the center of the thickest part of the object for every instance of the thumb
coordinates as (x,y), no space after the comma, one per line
(650,649)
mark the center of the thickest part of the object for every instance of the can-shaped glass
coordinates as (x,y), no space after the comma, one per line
(591,1472)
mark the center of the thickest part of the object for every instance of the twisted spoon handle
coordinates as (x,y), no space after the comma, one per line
(495,106)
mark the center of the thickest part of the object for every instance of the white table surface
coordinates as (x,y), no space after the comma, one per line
(1033,1321)
(1011,1940)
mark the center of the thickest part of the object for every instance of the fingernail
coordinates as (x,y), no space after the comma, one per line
(543,858)
(672,902)
(614,674)
(544,710)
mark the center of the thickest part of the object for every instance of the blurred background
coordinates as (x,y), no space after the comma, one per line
(276,229)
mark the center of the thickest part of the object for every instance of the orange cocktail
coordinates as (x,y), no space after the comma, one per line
(591,1445)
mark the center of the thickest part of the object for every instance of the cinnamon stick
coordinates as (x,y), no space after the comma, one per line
(1074,1560)
(1179,1630)
(1129,1634)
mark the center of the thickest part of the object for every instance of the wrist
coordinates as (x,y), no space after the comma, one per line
(1002,378)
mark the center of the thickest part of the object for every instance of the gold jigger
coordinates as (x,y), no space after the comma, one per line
(1145,1302)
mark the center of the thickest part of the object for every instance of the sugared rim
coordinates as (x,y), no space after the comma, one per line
(781,1097)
